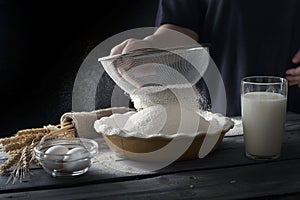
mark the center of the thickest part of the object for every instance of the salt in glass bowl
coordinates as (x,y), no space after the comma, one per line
(71,163)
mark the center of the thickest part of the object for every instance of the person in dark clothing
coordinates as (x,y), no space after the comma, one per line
(246,38)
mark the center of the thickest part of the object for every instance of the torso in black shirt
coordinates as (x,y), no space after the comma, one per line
(249,37)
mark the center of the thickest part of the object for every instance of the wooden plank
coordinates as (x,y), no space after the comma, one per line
(253,181)
(292,196)
(230,154)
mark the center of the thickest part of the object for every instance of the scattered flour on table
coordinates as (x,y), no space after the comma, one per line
(238,127)
(112,164)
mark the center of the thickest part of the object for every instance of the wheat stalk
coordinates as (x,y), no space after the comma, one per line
(20,147)
(32,131)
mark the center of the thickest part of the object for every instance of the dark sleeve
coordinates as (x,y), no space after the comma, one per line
(186,13)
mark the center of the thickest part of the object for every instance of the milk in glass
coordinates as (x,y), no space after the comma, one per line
(263,116)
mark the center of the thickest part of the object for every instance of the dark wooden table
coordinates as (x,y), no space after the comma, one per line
(223,174)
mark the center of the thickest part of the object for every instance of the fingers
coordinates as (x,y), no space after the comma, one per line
(293,71)
(293,76)
(130,45)
(290,71)
(119,48)
(121,65)
(296,58)
(134,44)
(293,80)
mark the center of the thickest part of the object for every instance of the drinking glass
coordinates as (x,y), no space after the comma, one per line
(263,103)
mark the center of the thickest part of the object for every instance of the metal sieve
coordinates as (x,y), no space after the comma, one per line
(165,67)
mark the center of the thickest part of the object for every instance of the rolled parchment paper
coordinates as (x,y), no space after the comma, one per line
(84,121)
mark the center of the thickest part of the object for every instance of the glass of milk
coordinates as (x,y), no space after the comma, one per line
(263,102)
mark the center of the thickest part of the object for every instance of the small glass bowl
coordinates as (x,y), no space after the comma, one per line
(66,164)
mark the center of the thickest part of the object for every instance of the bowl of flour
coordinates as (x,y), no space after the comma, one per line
(168,125)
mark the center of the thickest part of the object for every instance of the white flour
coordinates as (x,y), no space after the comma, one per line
(148,121)
(162,109)
(165,119)
(185,95)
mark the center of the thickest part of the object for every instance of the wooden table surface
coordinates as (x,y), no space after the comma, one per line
(223,174)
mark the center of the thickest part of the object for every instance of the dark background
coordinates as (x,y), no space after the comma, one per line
(42,45)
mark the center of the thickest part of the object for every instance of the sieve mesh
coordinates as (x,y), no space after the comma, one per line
(152,67)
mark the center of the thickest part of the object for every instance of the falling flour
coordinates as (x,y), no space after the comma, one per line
(183,95)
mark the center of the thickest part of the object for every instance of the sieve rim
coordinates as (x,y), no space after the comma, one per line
(149,51)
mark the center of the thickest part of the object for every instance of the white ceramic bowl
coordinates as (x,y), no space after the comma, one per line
(159,147)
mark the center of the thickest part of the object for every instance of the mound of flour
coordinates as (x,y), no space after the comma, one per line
(147,121)
(166,110)
(165,119)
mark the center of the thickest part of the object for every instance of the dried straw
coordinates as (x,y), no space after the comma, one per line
(20,147)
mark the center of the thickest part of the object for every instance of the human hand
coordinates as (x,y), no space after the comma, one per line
(165,36)
(129,45)
(125,68)
(293,75)
(156,41)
